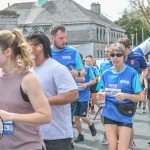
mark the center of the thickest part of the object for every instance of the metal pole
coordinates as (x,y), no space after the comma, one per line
(142,34)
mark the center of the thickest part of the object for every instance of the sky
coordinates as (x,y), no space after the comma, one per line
(112,9)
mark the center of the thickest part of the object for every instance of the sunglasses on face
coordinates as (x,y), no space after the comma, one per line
(117,55)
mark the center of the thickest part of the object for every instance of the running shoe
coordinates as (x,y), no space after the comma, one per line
(93,130)
(104,139)
(133,145)
(79,138)
(144,110)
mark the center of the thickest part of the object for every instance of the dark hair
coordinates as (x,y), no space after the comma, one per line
(38,37)
(125,41)
(89,56)
(56,28)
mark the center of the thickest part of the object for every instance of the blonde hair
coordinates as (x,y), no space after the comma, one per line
(120,48)
(16,41)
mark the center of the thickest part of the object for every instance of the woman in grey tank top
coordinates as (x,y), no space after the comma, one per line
(21,117)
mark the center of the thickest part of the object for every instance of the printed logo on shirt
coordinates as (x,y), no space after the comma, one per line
(124,81)
(112,91)
(132,62)
(113,86)
(66,57)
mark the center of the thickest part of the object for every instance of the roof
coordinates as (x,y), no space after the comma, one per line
(58,11)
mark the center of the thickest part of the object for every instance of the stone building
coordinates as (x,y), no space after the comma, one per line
(8,20)
(88,30)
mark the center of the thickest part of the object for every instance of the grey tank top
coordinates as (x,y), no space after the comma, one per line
(23,137)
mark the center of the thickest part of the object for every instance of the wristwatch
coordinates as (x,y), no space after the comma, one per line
(79,73)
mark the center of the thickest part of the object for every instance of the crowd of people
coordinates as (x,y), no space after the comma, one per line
(46,88)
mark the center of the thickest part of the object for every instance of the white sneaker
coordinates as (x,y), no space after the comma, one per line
(104,140)
(144,110)
(133,145)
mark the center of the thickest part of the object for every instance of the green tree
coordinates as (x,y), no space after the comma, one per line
(132,25)
(141,10)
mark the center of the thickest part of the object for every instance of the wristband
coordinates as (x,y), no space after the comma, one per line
(79,73)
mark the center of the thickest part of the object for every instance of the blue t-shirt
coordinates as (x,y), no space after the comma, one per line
(84,95)
(68,56)
(105,65)
(125,81)
(95,70)
(136,61)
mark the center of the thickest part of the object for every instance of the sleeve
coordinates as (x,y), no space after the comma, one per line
(78,63)
(100,83)
(96,72)
(136,85)
(63,80)
(91,74)
(143,63)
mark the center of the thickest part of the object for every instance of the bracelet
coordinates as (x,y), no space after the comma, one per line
(79,73)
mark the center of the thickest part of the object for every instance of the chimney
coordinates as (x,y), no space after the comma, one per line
(96,8)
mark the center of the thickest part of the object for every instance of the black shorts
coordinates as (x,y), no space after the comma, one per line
(109,121)
(62,144)
(73,107)
(93,88)
(81,109)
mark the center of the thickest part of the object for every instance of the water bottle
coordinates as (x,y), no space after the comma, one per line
(79,86)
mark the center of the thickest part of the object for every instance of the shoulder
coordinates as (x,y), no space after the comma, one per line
(135,54)
(70,48)
(131,70)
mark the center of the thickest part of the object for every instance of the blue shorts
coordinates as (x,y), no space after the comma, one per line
(109,121)
(81,109)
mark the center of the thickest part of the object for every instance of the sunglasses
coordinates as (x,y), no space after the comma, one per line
(117,55)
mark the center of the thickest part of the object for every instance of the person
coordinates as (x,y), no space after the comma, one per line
(95,64)
(23,105)
(60,89)
(106,64)
(82,103)
(138,62)
(89,62)
(121,90)
(148,94)
(66,55)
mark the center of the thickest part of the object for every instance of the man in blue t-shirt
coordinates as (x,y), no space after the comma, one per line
(82,104)
(89,62)
(65,54)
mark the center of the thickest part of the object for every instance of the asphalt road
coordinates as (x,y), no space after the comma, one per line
(141,127)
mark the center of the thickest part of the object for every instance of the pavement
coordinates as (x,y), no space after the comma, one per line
(141,129)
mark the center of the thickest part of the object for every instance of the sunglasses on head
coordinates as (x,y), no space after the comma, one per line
(117,55)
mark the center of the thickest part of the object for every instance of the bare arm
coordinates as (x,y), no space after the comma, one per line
(75,73)
(38,101)
(80,79)
(143,75)
(134,97)
(64,98)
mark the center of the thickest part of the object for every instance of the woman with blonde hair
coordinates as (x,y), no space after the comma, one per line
(23,105)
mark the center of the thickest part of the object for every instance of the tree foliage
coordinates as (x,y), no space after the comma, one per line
(141,9)
(136,20)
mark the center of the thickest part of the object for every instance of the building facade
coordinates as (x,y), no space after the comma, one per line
(88,30)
